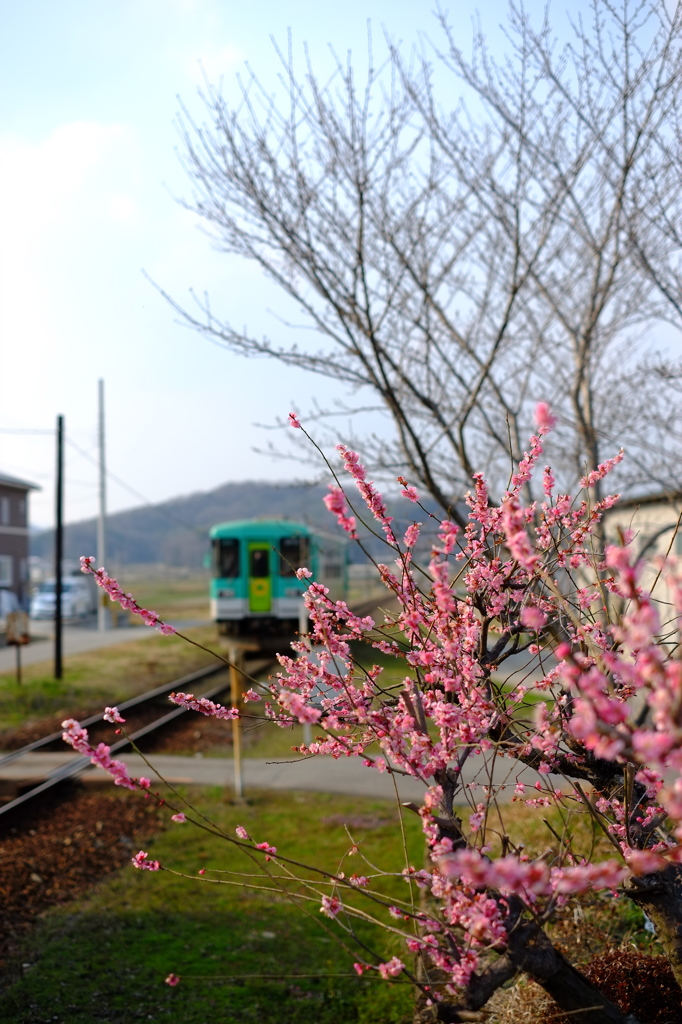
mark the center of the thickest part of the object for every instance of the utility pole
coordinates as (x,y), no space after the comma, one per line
(102,609)
(59,549)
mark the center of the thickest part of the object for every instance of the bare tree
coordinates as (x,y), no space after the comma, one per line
(460,264)
(563,163)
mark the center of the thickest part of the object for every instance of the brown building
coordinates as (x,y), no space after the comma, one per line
(14,535)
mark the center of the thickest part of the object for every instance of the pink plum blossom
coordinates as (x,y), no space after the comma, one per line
(269,851)
(77,737)
(336,503)
(330,907)
(391,969)
(544,420)
(204,705)
(112,715)
(141,861)
(533,618)
(126,601)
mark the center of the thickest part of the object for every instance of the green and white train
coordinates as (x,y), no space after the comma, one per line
(254,587)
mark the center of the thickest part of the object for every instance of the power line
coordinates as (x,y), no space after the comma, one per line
(141,497)
(112,476)
(26,430)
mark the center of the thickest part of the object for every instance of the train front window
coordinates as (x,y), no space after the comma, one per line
(226,558)
(293,553)
(259,563)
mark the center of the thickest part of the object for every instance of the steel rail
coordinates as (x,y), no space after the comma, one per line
(83,763)
(142,698)
(359,608)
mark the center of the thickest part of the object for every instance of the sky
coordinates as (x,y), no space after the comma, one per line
(89,181)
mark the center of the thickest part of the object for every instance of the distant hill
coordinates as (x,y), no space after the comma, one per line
(174,533)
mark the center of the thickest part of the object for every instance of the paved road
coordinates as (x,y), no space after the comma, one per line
(76,640)
(324,774)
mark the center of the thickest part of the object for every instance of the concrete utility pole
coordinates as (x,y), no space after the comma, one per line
(102,609)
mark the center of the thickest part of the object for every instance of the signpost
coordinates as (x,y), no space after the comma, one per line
(18,635)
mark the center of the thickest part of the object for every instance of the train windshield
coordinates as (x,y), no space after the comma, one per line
(259,562)
(226,558)
(293,554)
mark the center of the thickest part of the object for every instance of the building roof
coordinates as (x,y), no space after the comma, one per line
(14,481)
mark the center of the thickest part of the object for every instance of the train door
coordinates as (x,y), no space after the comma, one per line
(260,582)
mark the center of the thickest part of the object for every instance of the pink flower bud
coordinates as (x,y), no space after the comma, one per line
(543,417)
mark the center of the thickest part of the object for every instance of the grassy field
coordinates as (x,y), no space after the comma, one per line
(248,955)
(105,957)
(180,598)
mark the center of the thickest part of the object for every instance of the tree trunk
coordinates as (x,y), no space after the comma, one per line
(660,896)
(531,951)
(528,950)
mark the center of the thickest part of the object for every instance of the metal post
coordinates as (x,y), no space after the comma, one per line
(59,549)
(102,603)
(236,663)
(19,664)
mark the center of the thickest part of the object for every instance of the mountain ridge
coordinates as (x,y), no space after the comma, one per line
(175,532)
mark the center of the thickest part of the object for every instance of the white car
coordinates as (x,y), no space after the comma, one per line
(8,603)
(77,599)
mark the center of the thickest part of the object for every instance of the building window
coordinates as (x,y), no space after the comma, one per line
(5,570)
(4,511)
(22,511)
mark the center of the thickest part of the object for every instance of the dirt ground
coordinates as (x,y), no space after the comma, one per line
(54,851)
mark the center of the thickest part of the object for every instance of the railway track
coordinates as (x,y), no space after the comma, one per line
(79,764)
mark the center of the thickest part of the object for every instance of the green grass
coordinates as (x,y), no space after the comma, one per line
(105,958)
(183,598)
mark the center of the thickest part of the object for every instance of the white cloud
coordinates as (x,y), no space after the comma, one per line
(52,193)
(57,196)
(122,208)
(211,62)
(38,182)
